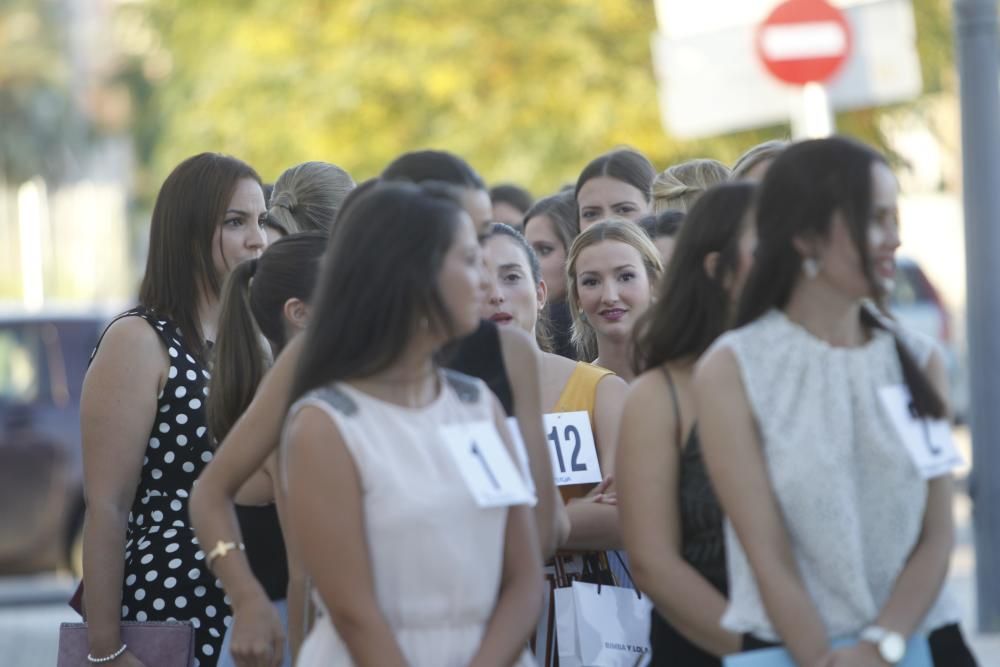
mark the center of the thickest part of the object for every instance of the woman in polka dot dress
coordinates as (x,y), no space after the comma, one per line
(145,439)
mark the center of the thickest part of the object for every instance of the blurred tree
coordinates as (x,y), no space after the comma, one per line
(528,91)
(40,125)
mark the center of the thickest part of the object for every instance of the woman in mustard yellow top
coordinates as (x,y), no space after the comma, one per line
(516,297)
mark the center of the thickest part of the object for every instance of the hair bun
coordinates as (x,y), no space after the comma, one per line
(285,199)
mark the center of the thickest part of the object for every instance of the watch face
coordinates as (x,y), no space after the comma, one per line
(892,648)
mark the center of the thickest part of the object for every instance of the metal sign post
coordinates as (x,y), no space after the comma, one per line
(979,75)
(805,43)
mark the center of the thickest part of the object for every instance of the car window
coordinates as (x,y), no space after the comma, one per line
(21,360)
(911,287)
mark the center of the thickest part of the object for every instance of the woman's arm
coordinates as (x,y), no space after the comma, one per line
(297,594)
(520,359)
(919,584)
(333,545)
(648,479)
(736,465)
(594,526)
(117,412)
(520,600)
(258,635)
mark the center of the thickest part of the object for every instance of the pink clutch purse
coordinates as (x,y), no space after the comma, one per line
(161,644)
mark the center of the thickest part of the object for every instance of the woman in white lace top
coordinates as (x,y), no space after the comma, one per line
(833,533)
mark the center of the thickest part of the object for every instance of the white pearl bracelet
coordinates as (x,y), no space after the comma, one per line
(97,661)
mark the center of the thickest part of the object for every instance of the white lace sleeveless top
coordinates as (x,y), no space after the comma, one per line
(852,500)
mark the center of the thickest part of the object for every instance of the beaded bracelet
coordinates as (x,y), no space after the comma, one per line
(97,661)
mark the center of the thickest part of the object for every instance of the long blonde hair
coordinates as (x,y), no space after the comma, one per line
(679,186)
(307,197)
(616,229)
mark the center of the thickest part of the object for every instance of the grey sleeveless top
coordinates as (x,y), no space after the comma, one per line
(851,498)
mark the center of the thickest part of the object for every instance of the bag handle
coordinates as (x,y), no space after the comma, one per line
(621,561)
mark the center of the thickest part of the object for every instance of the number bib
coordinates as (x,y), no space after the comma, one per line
(928,441)
(573,448)
(485,465)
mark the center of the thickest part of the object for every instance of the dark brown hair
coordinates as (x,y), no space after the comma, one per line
(513,195)
(624,164)
(805,185)
(542,335)
(372,294)
(666,223)
(253,304)
(694,308)
(428,165)
(560,208)
(190,206)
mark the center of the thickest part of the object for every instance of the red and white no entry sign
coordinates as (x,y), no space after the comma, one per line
(804,41)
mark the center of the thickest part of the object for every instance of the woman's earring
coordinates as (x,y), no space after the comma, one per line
(810,267)
(583,316)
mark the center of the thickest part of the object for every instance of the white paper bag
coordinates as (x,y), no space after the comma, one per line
(602,626)
(566,628)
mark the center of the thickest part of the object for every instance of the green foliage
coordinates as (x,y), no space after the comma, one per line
(528,91)
(39,122)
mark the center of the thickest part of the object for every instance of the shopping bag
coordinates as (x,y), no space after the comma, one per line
(566,640)
(602,626)
(918,654)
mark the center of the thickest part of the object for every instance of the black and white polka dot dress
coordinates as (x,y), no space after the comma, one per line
(165,573)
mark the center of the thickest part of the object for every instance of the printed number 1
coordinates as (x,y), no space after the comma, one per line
(934,449)
(570,430)
(486,466)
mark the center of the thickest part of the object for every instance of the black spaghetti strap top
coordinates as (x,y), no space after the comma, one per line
(702,544)
(479,355)
(265,547)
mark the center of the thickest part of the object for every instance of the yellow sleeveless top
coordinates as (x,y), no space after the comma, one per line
(580,393)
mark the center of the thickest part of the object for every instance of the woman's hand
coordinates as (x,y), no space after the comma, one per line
(862,654)
(258,634)
(600,493)
(127,659)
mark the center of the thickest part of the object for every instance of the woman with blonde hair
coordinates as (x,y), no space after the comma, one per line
(679,186)
(753,164)
(307,197)
(612,268)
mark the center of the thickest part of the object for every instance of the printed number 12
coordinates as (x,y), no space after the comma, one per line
(570,430)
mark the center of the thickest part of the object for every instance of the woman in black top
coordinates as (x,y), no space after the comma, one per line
(266,297)
(671,520)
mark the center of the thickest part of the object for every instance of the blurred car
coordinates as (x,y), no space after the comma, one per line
(43,359)
(917,306)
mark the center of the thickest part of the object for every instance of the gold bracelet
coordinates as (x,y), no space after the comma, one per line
(220,550)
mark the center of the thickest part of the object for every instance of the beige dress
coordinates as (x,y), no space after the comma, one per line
(436,556)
